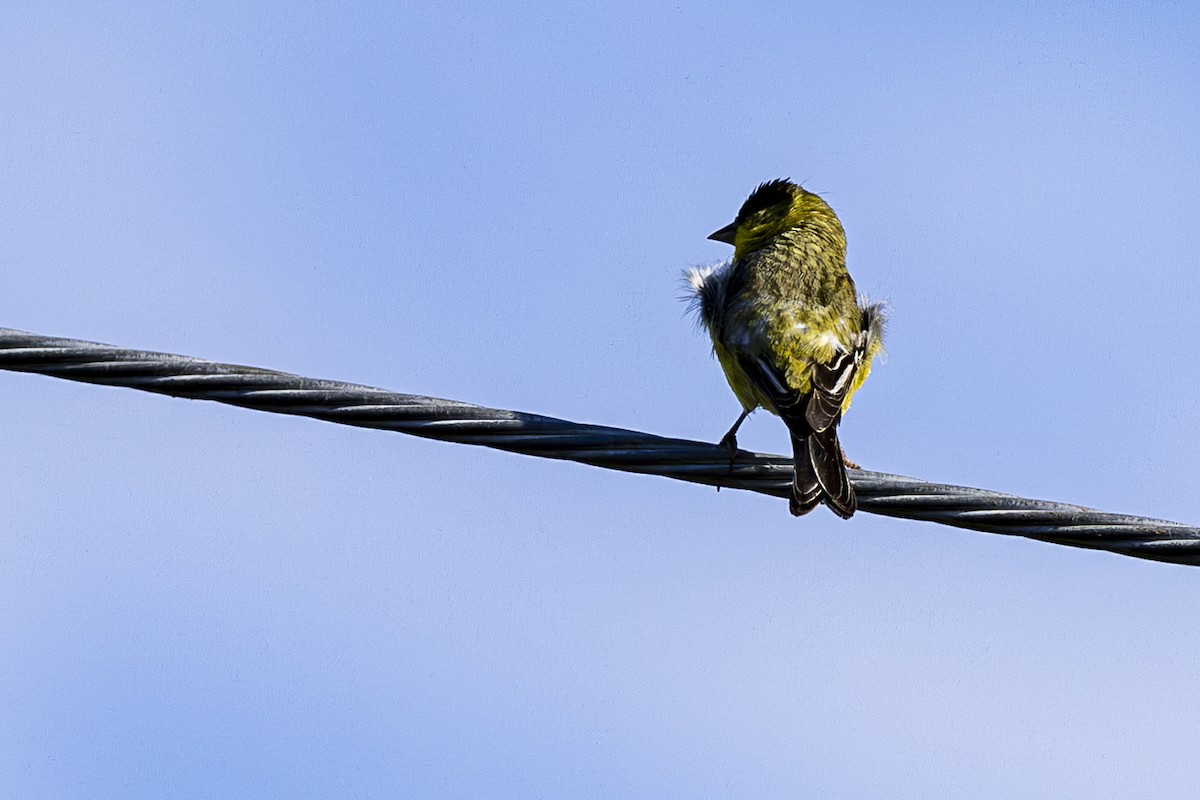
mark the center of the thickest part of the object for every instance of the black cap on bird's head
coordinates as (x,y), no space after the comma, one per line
(771,193)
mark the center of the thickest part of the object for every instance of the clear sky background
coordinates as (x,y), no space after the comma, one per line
(494,204)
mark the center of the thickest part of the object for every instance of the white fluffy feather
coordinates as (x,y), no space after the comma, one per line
(706,290)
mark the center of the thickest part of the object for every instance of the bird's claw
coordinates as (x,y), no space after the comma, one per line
(729,442)
(850,464)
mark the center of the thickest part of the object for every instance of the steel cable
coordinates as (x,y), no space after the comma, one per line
(600,446)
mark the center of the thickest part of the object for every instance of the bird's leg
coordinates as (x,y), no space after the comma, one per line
(729,440)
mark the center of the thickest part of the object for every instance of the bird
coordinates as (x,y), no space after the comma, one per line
(790,332)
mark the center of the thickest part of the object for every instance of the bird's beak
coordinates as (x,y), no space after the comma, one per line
(726,234)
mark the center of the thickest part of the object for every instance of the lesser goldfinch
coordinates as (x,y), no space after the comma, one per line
(790,332)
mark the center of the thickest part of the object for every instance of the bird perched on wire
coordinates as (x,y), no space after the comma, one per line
(790,332)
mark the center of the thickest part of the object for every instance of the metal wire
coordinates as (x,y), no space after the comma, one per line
(610,448)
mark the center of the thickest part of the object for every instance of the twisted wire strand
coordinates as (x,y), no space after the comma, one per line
(600,446)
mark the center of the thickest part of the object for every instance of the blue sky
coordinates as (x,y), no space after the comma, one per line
(494,204)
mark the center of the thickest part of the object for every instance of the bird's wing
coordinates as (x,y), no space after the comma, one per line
(830,382)
(817,410)
(772,383)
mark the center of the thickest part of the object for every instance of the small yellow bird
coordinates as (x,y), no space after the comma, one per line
(790,332)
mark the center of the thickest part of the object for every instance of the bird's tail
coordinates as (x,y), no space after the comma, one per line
(820,475)
(806,489)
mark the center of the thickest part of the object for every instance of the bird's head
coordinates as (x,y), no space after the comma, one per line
(774,207)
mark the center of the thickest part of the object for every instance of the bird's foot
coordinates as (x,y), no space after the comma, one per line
(729,442)
(850,464)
